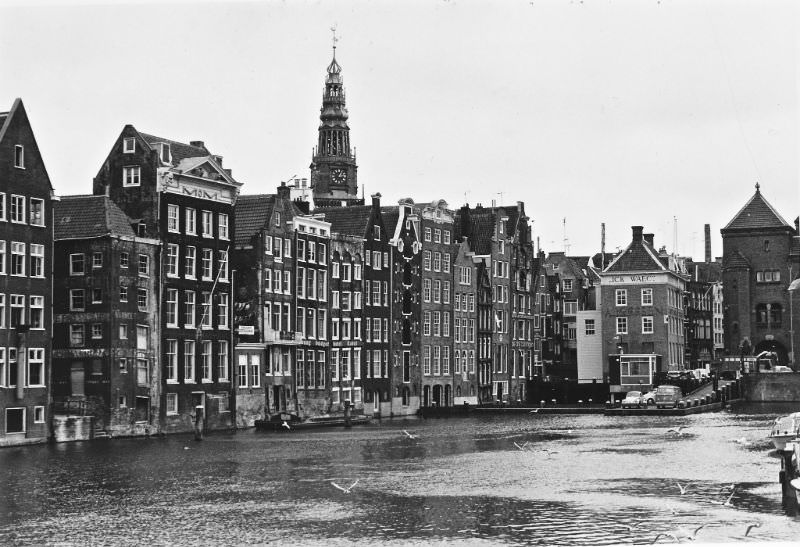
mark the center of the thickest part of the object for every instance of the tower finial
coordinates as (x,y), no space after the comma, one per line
(758,186)
(335,39)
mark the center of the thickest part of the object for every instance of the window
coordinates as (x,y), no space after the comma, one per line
(426,290)
(17,258)
(647,297)
(144,265)
(18,209)
(128,145)
(205,310)
(37,312)
(172,260)
(36,367)
(172,218)
(222,220)
(588,326)
(97,331)
(19,156)
(36,217)
(97,260)
(38,414)
(570,307)
(142,332)
(188,317)
(2,257)
(97,296)
(206,264)
(437,236)
(2,206)
(222,319)
(206,223)
(76,264)
(172,404)
(172,361)
(446,264)
(141,298)
(622,325)
(447,237)
(188,361)
(621,297)
(647,325)
(205,360)
(191,221)
(427,234)
(426,260)
(123,331)
(2,321)
(123,260)
(123,293)
(223,267)
(255,370)
(189,265)
(76,335)
(131,175)
(222,361)
(76,300)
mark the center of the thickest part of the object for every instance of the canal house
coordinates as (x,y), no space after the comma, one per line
(106,342)
(26,239)
(181,195)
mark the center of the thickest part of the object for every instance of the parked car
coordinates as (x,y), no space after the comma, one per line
(649,398)
(668,396)
(632,400)
(782,368)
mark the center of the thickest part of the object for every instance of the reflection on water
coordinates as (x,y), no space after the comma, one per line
(528,479)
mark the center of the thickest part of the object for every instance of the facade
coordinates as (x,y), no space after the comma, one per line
(761,257)
(106,342)
(484,294)
(403,225)
(334,180)
(180,195)
(643,314)
(361,294)
(436,309)
(26,246)
(703,277)
(468,344)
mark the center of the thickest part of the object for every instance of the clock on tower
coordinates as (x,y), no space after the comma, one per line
(338,176)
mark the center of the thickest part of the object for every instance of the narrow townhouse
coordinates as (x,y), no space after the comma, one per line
(26,251)
(106,341)
(181,195)
(468,345)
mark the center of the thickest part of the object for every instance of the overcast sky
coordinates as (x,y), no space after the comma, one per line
(628,113)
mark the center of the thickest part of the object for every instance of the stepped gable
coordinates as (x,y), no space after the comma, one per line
(757,213)
(252,213)
(735,260)
(179,150)
(638,256)
(352,220)
(84,217)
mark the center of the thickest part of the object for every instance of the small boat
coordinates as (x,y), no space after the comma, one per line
(785,429)
(285,421)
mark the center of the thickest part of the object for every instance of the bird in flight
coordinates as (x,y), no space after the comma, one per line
(666,534)
(345,489)
(751,526)
(285,425)
(630,527)
(677,430)
(683,489)
(409,435)
(521,447)
(727,502)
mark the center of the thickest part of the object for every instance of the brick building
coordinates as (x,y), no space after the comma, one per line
(180,195)
(760,258)
(106,340)
(26,246)
(468,344)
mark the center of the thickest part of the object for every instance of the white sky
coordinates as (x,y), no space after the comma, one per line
(628,113)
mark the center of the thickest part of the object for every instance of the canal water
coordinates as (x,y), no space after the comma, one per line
(578,480)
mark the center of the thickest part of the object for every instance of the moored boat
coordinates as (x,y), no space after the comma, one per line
(285,421)
(785,429)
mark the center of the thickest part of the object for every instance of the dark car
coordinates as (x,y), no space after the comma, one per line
(668,396)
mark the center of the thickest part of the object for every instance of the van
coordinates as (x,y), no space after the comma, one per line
(668,396)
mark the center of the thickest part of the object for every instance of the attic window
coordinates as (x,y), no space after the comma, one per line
(766,245)
(19,156)
(164,152)
(129,145)
(277,219)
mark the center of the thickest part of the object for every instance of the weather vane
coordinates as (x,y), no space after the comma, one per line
(335,39)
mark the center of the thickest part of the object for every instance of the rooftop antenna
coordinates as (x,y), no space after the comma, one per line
(674,236)
(335,39)
(566,241)
(602,245)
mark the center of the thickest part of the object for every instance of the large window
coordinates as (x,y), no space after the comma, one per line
(131,175)
(36,217)
(142,337)
(172,260)
(172,360)
(191,221)
(172,307)
(77,264)
(36,367)
(206,264)
(222,361)
(17,209)
(173,224)
(647,325)
(76,300)
(223,225)
(621,297)
(206,357)
(188,361)
(222,318)
(191,257)
(622,325)
(37,260)
(37,312)
(189,309)
(17,258)
(76,335)
(207,224)
(647,297)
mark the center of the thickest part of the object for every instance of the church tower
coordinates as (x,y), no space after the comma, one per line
(333,168)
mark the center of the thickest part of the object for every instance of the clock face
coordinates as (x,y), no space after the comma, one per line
(339,176)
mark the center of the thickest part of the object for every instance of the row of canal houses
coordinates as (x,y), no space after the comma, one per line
(166,296)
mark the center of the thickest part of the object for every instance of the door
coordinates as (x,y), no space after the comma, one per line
(77,376)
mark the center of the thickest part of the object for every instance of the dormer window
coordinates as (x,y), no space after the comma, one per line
(19,156)
(164,152)
(277,219)
(376,232)
(128,145)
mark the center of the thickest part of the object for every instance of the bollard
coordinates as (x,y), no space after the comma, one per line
(589,403)
(347,422)
(580,402)
(198,423)
(708,399)
(681,404)
(608,404)
(696,403)
(541,403)
(553,402)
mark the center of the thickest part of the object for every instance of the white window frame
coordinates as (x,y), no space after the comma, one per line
(622,325)
(32,218)
(131,176)
(128,145)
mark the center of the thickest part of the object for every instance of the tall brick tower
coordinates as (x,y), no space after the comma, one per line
(333,168)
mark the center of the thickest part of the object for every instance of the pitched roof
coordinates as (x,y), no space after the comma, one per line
(251,213)
(391,215)
(757,213)
(78,217)
(566,265)
(179,150)
(351,220)
(639,256)
(735,260)
(478,225)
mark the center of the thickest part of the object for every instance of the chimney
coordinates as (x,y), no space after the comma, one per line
(198,144)
(107,189)
(283,190)
(649,239)
(376,200)
(637,233)
(707,230)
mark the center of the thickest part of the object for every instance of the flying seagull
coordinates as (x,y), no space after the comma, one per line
(285,425)
(727,502)
(347,489)
(521,447)
(676,430)
(683,489)
(751,526)
(409,435)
